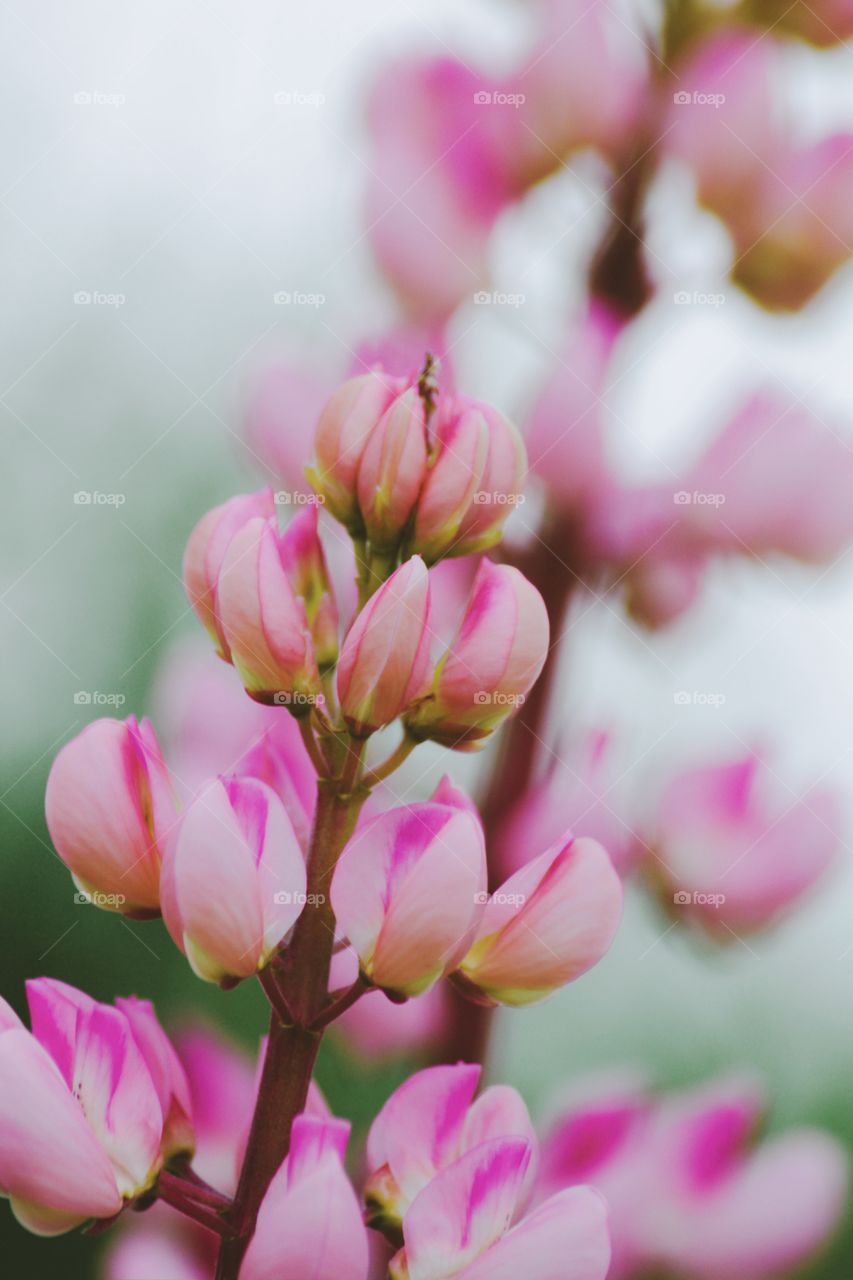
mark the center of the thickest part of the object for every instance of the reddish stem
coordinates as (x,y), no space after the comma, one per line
(184,1196)
(292,1047)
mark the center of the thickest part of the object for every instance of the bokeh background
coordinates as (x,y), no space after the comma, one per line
(179,164)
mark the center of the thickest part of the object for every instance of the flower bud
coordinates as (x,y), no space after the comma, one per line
(305,565)
(407,893)
(392,470)
(340,437)
(205,553)
(309,1222)
(167,1073)
(234,881)
(465,1224)
(265,624)
(385,656)
(110,807)
(429,1122)
(473,484)
(80,1117)
(734,851)
(496,657)
(545,926)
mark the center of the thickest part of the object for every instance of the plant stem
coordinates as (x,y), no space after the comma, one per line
(186,1197)
(341,1004)
(292,1046)
(306,728)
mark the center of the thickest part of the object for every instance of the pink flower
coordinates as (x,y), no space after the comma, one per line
(223,1085)
(474,481)
(577,794)
(460,1225)
(309,1222)
(427,1124)
(734,848)
(548,924)
(723,119)
(340,437)
(392,470)
(167,1073)
(688,1189)
(562,105)
(496,657)
(798,226)
(407,894)
(265,624)
(440,181)
(110,809)
(785,477)
(785,204)
(205,554)
(80,1116)
(234,881)
(160,1243)
(304,563)
(385,656)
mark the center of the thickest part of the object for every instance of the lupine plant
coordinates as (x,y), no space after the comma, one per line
(97,1095)
(387,607)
